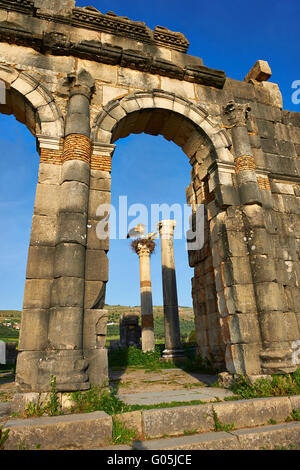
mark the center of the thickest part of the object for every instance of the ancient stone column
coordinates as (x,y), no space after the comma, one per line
(173,348)
(33,341)
(65,358)
(276,335)
(144,248)
(244,160)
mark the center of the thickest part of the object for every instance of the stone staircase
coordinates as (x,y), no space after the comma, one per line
(244,424)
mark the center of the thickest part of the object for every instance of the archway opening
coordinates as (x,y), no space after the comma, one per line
(149,175)
(204,143)
(19,164)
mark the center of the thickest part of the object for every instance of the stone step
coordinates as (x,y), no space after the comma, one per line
(280,436)
(238,414)
(5,409)
(190,424)
(76,431)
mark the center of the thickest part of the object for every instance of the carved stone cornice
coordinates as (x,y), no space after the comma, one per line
(23,6)
(60,43)
(91,18)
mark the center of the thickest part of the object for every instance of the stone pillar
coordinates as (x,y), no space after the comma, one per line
(96,265)
(33,341)
(276,333)
(173,348)
(148,341)
(245,167)
(66,359)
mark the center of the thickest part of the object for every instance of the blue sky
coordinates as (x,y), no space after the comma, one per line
(229,36)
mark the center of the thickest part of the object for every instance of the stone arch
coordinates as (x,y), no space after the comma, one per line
(207,146)
(31,103)
(161,112)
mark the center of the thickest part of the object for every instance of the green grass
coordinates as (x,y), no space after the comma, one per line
(3,437)
(134,357)
(294,416)
(279,385)
(122,434)
(219,426)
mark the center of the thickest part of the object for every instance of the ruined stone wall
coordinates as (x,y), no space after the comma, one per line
(80,80)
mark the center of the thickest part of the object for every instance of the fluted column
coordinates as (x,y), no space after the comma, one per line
(148,341)
(173,348)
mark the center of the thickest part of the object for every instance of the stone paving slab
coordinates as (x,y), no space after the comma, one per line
(207,394)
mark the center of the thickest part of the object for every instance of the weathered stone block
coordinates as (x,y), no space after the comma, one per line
(236,270)
(33,334)
(100,180)
(67,292)
(260,71)
(240,299)
(40,262)
(244,328)
(49,173)
(251,413)
(96,199)
(263,269)
(94,296)
(98,366)
(93,234)
(37,293)
(176,420)
(96,265)
(275,94)
(65,328)
(72,228)
(69,260)
(243,358)
(94,328)
(61,432)
(278,436)
(278,326)
(268,297)
(47,199)
(75,170)
(74,197)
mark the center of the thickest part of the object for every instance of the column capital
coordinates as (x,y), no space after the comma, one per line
(236,114)
(166,228)
(143,250)
(81,83)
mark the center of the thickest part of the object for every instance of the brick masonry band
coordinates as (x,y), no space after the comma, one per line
(77,147)
(51,156)
(102,163)
(244,163)
(264,183)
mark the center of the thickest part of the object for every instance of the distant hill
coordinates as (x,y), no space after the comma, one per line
(186,316)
